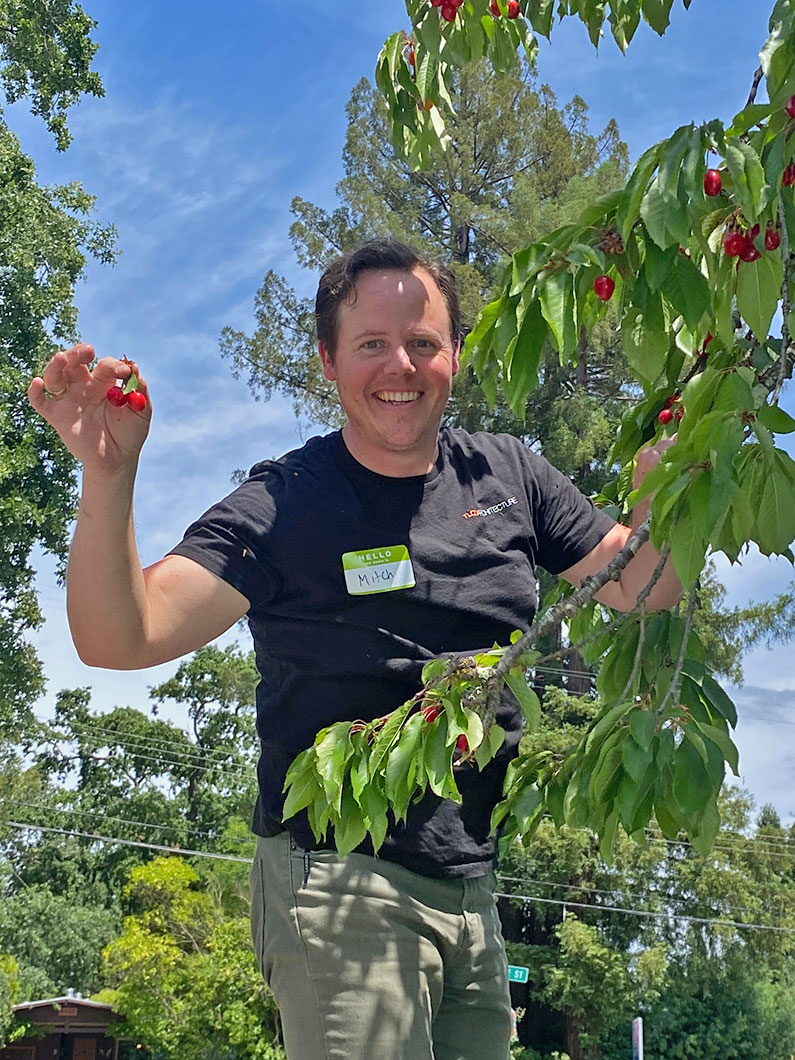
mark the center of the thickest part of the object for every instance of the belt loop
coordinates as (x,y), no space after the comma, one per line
(306,868)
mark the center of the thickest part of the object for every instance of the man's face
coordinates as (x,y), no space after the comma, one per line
(393,366)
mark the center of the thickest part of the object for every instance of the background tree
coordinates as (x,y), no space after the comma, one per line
(47,232)
(183,972)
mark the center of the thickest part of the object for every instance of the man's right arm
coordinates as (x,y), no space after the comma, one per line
(120,615)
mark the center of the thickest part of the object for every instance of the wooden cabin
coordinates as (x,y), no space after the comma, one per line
(69,1028)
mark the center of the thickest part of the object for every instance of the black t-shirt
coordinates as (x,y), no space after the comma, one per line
(356,580)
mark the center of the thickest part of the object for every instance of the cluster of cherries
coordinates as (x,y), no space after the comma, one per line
(742,245)
(449,9)
(128,394)
(673,408)
(431,712)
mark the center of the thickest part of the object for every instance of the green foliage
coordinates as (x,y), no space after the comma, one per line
(183,974)
(521,164)
(57,941)
(48,232)
(9,994)
(355,772)
(661,742)
(45,55)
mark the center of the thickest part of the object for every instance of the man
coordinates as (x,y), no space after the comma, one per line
(398,956)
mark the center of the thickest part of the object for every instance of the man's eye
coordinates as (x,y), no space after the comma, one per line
(371,344)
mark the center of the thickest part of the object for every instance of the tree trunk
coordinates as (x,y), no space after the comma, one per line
(572,1040)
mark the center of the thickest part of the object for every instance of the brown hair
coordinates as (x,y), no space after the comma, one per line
(338,283)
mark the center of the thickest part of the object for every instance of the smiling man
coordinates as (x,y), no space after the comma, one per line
(356,558)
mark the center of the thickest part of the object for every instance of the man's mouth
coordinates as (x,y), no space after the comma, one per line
(397,397)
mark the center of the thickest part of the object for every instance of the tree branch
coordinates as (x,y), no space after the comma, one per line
(565,609)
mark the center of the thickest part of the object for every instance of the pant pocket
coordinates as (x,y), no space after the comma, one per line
(257,879)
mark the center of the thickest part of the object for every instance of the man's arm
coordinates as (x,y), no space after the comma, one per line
(623,594)
(120,616)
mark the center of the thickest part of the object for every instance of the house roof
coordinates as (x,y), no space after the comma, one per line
(66,1000)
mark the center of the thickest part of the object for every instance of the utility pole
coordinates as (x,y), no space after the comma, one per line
(637,1038)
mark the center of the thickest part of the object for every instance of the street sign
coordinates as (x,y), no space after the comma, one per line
(517,973)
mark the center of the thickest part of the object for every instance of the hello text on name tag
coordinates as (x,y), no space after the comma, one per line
(378,570)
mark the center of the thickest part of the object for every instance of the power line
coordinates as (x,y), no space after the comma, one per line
(498,894)
(643,895)
(126,821)
(646,913)
(128,842)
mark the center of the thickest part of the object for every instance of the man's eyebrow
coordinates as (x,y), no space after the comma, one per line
(369,335)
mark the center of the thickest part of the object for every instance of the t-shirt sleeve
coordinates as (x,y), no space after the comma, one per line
(567,523)
(231,539)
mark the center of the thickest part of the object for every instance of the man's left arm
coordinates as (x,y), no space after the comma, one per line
(622,595)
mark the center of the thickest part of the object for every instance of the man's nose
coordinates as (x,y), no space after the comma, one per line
(399,360)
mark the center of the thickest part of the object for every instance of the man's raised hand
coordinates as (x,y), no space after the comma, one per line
(72,396)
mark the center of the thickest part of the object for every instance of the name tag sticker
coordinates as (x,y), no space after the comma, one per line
(378,570)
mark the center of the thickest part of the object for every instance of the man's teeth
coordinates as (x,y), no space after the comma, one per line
(398,395)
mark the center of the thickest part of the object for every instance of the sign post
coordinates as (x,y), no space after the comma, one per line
(637,1038)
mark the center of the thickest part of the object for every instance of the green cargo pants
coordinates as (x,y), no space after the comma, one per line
(368,960)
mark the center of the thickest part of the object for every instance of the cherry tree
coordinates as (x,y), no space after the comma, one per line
(692,261)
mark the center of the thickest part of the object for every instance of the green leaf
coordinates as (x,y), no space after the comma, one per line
(687,290)
(331,751)
(526,698)
(641,726)
(401,758)
(776,518)
(758,292)
(725,744)
(719,700)
(748,177)
(627,212)
(302,791)
(522,370)
(692,787)
(646,349)
(556,296)
(776,419)
(688,548)
(350,829)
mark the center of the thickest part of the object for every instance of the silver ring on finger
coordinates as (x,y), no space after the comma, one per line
(55,395)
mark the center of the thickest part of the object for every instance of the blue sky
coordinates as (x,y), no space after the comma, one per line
(214,118)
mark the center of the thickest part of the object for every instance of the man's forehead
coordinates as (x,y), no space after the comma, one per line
(416,288)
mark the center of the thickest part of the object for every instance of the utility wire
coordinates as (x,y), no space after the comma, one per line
(646,913)
(499,894)
(128,842)
(124,820)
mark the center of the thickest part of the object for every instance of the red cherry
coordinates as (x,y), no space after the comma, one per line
(410,55)
(788,176)
(494,7)
(669,401)
(679,413)
(665,416)
(603,287)
(513,9)
(117,397)
(136,401)
(749,251)
(789,106)
(431,712)
(449,12)
(436,3)
(462,744)
(733,243)
(712,183)
(772,239)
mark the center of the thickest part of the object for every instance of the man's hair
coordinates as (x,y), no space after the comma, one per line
(338,283)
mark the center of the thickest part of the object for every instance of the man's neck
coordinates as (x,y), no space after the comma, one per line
(392,463)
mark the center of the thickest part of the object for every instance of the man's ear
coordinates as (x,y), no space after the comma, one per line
(456,357)
(328,364)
